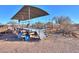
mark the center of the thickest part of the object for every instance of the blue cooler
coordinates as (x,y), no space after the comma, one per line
(27,37)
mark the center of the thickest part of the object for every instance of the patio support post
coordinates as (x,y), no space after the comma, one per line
(29,14)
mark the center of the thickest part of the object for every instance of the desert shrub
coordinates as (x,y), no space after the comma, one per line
(64,23)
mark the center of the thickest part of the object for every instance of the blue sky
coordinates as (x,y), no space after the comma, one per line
(7,11)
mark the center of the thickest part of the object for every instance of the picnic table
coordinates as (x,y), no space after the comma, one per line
(23,35)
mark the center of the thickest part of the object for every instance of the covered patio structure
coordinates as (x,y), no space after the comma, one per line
(28,12)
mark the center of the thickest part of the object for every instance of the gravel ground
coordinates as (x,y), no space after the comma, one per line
(52,44)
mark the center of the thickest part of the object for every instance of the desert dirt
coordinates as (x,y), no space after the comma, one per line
(52,44)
